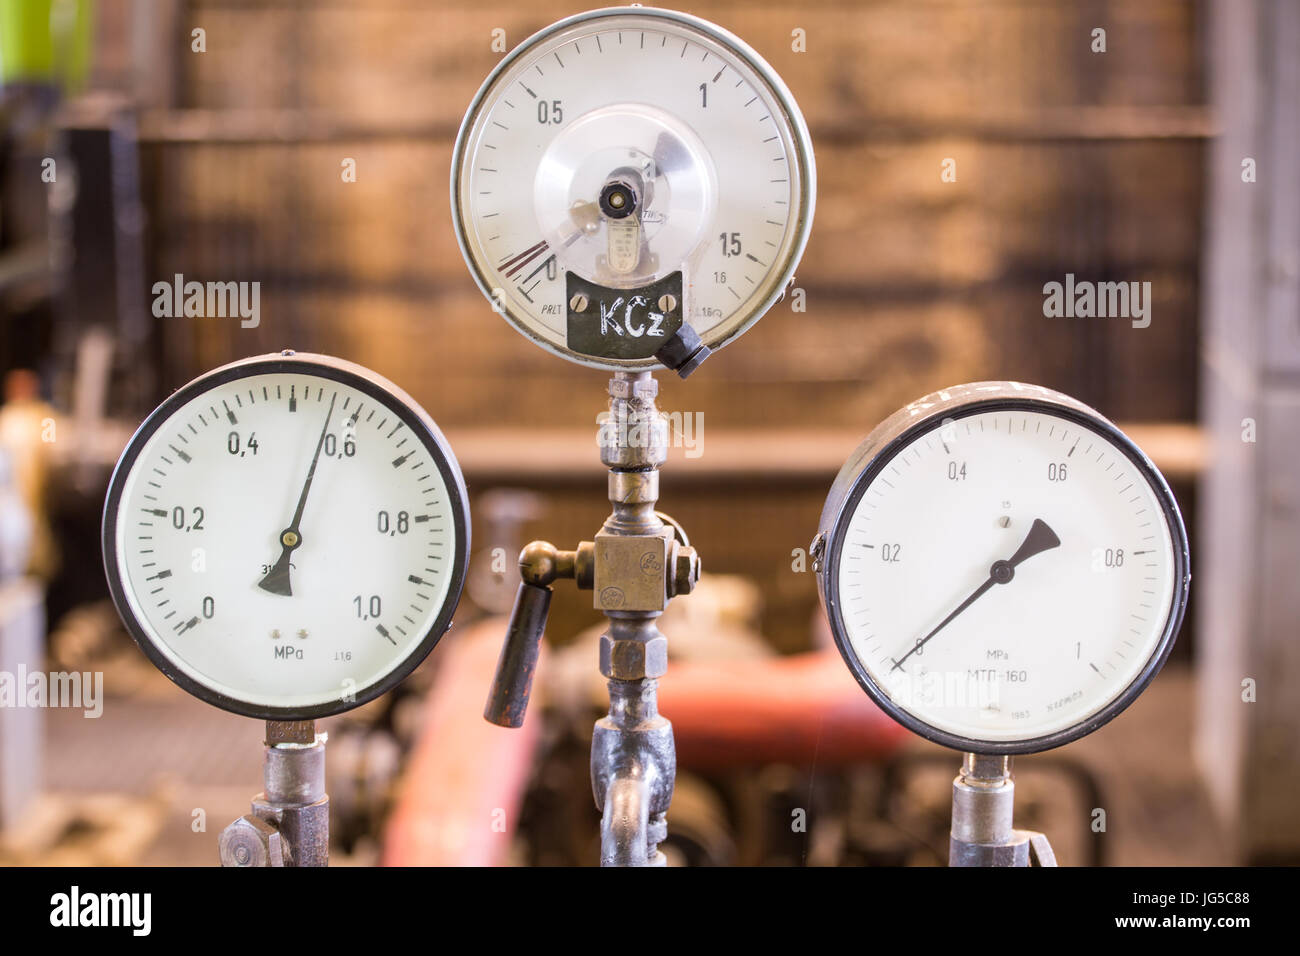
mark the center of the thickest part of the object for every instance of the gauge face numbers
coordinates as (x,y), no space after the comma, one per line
(286,544)
(1005,575)
(713,150)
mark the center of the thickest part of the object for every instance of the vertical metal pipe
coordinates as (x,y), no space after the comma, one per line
(633,759)
(290,823)
(983,806)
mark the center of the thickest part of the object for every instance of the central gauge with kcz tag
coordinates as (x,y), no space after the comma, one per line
(286,537)
(632,188)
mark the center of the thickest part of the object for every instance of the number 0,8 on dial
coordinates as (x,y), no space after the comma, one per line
(286,537)
(1003,570)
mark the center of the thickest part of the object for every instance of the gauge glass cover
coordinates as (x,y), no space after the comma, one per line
(709,143)
(1005,569)
(256,610)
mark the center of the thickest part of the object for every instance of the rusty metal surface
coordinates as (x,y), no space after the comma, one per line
(513,683)
(290,732)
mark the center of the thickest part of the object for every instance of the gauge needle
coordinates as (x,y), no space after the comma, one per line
(1040,538)
(277,579)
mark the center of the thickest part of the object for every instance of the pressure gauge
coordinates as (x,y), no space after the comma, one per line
(286,537)
(1003,570)
(633,187)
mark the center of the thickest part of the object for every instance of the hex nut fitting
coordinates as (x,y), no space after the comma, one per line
(251,841)
(633,660)
(686,570)
(643,387)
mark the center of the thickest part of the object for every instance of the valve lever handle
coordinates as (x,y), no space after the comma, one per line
(540,563)
(508,700)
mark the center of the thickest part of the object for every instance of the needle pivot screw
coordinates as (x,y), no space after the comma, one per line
(618,200)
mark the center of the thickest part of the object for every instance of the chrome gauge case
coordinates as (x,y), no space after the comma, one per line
(632,188)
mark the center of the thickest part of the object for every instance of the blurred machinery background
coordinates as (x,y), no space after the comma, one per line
(209,138)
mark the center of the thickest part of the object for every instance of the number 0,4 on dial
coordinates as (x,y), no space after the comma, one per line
(1003,569)
(286,537)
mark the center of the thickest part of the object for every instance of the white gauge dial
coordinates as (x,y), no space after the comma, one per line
(286,537)
(694,134)
(1005,570)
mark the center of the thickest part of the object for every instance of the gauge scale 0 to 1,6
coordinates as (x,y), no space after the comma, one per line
(285,537)
(632,189)
(627,173)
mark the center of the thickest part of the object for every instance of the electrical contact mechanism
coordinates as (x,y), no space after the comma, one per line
(632,189)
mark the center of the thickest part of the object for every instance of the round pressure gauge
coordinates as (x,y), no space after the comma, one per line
(1004,571)
(286,537)
(633,187)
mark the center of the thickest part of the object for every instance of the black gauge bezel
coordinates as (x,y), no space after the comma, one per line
(878,451)
(330,369)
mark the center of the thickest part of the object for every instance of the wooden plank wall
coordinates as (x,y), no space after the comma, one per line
(1067,161)
(1248,727)
(912,283)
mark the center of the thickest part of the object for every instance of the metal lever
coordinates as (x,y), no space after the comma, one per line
(540,563)
(640,560)
(513,684)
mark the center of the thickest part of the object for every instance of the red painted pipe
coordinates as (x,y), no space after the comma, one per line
(459,801)
(802,709)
